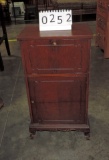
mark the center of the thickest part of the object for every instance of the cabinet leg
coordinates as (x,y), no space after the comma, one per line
(1,103)
(87,135)
(32,135)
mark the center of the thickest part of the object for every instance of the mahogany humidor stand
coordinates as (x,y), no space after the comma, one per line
(56,66)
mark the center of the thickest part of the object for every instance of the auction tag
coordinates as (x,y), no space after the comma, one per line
(55,20)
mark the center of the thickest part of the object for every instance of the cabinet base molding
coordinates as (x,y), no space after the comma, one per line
(39,126)
(60,127)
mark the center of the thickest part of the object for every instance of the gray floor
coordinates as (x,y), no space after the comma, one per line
(15,143)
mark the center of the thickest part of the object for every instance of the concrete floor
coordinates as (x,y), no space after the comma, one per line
(15,143)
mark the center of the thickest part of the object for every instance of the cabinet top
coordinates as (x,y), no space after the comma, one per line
(32,32)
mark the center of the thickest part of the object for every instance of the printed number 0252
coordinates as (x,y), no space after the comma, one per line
(59,19)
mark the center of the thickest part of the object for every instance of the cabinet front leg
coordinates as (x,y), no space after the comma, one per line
(32,135)
(87,135)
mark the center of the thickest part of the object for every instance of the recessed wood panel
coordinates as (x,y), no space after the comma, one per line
(59,100)
(58,56)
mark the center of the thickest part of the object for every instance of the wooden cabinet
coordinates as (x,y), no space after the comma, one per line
(56,66)
(102,26)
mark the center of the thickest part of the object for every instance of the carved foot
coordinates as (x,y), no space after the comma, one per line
(87,135)
(32,135)
(1,103)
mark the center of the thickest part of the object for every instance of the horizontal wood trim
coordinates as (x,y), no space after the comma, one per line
(56,75)
(38,126)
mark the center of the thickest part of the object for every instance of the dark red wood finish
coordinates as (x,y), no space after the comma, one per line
(56,65)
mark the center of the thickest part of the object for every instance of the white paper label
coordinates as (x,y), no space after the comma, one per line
(55,20)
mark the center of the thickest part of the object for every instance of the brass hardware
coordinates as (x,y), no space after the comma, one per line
(54,43)
(32,102)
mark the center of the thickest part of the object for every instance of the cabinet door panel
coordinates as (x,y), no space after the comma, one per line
(59,56)
(59,100)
